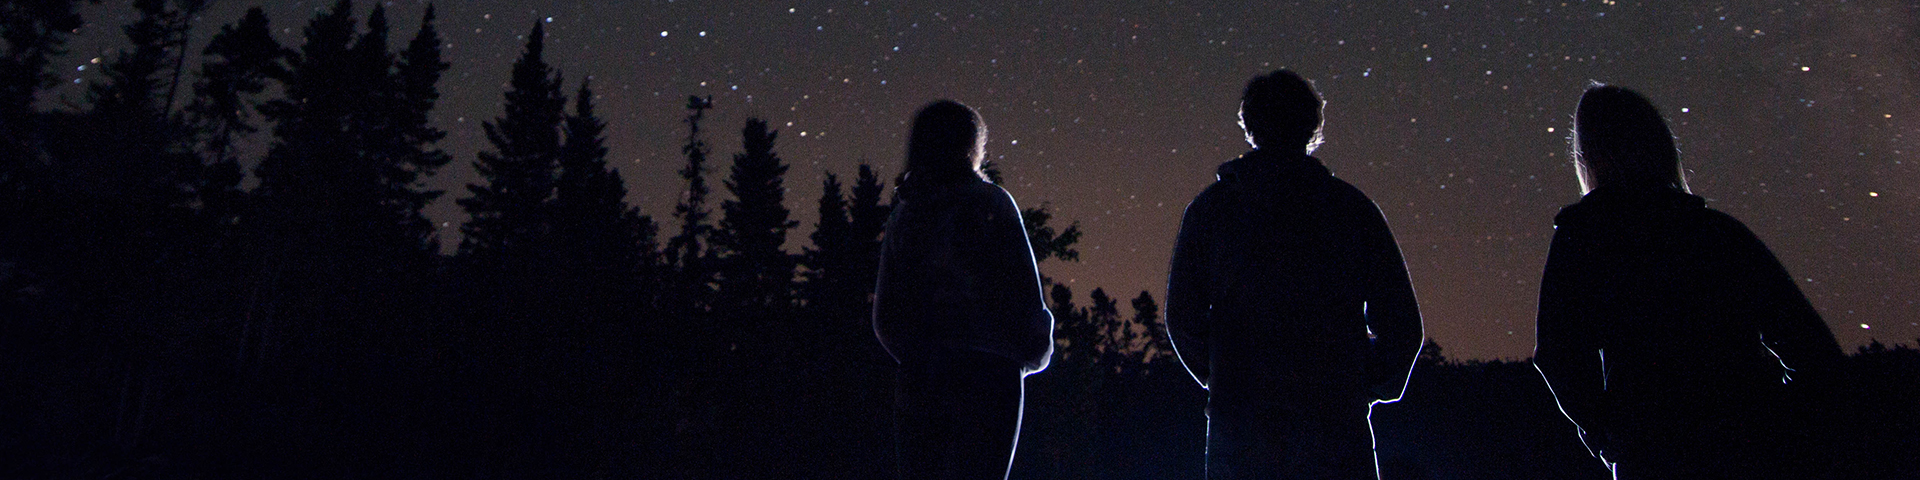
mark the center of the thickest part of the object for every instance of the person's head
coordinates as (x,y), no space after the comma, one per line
(1280,111)
(948,141)
(1621,141)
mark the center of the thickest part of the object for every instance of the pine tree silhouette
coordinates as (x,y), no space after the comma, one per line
(687,252)
(509,216)
(756,275)
(1154,342)
(867,219)
(342,246)
(824,290)
(242,58)
(601,242)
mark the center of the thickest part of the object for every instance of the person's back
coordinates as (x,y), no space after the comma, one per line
(957,303)
(1667,331)
(1288,300)
(1289,248)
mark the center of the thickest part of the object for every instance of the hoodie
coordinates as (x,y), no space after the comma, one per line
(1286,282)
(957,274)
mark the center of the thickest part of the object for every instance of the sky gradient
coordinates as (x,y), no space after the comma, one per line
(1798,119)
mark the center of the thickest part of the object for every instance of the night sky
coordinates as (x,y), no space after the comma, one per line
(1798,119)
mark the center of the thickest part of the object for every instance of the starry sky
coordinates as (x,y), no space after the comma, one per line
(1800,119)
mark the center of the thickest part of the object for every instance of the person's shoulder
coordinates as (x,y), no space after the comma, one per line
(1350,197)
(1730,229)
(984,196)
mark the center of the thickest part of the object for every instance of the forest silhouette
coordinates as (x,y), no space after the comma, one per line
(173,305)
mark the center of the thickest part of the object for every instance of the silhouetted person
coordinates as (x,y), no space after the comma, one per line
(958,304)
(1288,300)
(1668,333)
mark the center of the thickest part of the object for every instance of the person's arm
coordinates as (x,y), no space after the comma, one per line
(1788,323)
(1188,306)
(1393,314)
(890,306)
(1565,350)
(1016,285)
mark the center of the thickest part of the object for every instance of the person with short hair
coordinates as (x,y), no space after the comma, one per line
(1289,302)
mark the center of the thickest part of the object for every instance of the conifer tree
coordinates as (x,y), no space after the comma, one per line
(311,177)
(686,252)
(128,146)
(1154,342)
(418,70)
(756,273)
(599,238)
(1076,338)
(241,58)
(509,216)
(825,290)
(1103,312)
(867,214)
(343,244)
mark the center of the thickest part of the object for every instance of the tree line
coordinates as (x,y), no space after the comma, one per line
(178,303)
(175,305)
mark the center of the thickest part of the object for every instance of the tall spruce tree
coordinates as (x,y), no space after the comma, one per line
(824,291)
(509,221)
(418,72)
(241,58)
(314,189)
(756,274)
(601,241)
(343,243)
(690,288)
(867,216)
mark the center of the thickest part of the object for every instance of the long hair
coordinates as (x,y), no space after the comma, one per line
(1280,110)
(948,142)
(1620,139)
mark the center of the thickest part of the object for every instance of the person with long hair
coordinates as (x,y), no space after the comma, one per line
(1668,333)
(958,304)
(1288,300)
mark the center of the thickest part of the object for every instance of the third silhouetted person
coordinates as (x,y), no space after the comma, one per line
(1669,334)
(1289,302)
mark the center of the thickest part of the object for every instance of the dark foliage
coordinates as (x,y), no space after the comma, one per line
(755,274)
(158,320)
(508,212)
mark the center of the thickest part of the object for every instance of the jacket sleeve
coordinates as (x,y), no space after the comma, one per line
(890,306)
(1566,349)
(1189,310)
(1016,286)
(1393,314)
(1788,323)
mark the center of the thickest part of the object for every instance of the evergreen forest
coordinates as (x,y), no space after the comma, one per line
(173,305)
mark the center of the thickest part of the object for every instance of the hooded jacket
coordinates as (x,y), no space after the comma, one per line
(1657,311)
(1286,281)
(957,274)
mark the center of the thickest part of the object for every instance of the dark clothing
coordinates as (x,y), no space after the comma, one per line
(957,274)
(1669,335)
(959,418)
(1288,300)
(958,305)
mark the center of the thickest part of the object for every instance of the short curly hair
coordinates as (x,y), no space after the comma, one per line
(1280,110)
